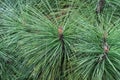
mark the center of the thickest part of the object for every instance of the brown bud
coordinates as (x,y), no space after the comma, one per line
(60,30)
(106,48)
(60,33)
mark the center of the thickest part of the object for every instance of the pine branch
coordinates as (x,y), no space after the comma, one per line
(100,6)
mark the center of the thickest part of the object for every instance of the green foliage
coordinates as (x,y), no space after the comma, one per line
(59,40)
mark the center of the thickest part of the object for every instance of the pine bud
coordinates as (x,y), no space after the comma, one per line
(60,33)
(60,30)
(106,48)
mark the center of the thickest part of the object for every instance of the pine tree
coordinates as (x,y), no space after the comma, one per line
(59,40)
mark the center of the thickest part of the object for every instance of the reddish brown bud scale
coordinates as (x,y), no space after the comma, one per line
(60,30)
(106,48)
(60,33)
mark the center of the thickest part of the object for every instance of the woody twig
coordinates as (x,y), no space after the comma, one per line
(100,6)
(105,44)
